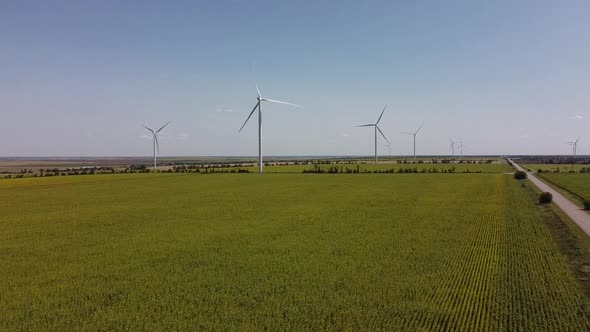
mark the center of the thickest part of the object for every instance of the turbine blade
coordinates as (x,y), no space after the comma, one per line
(367,125)
(403,132)
(380,116)
(148,128)
(249,116)
(258,91)
(382,134)
(162,127)
(419,128)
(280,102)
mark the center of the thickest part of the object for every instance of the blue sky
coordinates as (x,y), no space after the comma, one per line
(78,77)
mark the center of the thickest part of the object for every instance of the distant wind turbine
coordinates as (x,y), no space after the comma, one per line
(452,147)
(461,146)
(574,145)
(155,141)
(377,129)
(388,145)
(414,134)
(258,105)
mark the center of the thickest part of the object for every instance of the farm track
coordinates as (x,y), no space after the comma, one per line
(579,216)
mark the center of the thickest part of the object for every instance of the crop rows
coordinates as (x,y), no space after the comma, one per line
(281,252)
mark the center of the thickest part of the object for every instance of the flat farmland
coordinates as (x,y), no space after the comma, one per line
(280,252)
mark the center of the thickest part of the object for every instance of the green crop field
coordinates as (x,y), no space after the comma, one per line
(578,184)
(280,252)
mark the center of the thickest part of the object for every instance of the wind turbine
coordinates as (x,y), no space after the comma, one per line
(377,129)
(461,146)
(452,147)
(574,145)
(388,145)
(258,105)
(155,139)
(414,134)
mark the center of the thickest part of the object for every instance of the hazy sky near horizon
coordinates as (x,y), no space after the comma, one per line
(78,77)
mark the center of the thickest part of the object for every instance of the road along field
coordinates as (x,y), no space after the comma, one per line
(280,252)
(576,184)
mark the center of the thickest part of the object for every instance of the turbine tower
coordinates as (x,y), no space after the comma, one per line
(259,101)
(155,141)
(377,129)
(414,134)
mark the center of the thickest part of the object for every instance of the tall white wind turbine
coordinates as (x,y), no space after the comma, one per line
(155,141)
(377,129)
(414,134)
(259,101)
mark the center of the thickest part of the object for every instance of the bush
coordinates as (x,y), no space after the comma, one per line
(586,205)
(520,175)
(545,198)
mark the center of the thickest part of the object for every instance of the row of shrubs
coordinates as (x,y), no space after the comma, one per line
(331,162)
(567,170)
(128,170)
(207,170)
(356,170)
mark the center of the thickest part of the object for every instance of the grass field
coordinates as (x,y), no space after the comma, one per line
(577,184)
(280,252)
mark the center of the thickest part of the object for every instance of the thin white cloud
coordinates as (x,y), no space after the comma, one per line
(145,136)
(345,135)
(576,117)
(524,136)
